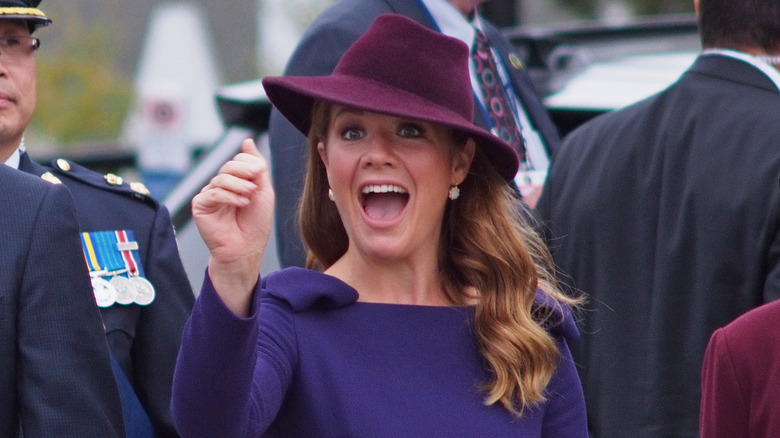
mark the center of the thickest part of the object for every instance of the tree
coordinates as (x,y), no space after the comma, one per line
(82,96)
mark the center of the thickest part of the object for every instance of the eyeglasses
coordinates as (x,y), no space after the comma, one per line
(17,47)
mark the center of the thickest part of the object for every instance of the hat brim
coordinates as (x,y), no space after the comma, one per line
(294,97)
(34,16)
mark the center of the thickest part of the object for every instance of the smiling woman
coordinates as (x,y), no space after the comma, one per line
(428,297)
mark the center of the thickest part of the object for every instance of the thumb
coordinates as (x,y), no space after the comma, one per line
(248,146)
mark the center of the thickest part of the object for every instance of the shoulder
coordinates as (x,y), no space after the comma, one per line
(756,328)
(304,289)
(25,191)
(85,182)
(555,316)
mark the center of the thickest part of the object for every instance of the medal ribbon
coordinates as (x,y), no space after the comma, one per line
(128,249)
(111,251)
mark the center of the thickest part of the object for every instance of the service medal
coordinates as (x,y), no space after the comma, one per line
(144,290)
(125,290)
(105,294)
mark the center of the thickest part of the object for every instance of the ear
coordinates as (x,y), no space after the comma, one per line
(323,154)
(461,162)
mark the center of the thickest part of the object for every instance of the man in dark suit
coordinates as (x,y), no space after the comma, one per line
(321,48)
(741,377)
(54,361)
(667,215)
(143,331)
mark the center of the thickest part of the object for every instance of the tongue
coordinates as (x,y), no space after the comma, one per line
(384,206)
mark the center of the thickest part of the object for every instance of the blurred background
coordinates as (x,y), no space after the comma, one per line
(129,87)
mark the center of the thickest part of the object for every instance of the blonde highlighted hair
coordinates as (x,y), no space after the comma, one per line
(487,245)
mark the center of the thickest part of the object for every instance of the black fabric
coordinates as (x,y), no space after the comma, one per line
(667,215)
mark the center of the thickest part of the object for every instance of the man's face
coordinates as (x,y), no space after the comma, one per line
(17,90)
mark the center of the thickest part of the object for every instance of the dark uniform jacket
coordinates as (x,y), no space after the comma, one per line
(667,213)
(318,52)
(55,374)
(144,339)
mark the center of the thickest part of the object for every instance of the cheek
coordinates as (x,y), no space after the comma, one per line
(27,88)
(339,169)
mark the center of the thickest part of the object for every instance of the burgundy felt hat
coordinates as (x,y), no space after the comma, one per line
(26,10)
(400,68)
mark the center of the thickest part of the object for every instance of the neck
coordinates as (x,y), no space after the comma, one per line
(6,150)
(466,7)
(772,59)
(406,282)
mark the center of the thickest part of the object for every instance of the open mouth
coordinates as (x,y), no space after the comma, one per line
(383,202)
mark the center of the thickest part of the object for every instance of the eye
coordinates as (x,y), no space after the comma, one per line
(411,130)
(12,41)
(352,133)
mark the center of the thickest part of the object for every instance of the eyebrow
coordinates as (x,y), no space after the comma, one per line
(341,109)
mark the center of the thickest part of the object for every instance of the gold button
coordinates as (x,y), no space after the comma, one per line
(63,164)
(114,180)
(49,177)
(139,188)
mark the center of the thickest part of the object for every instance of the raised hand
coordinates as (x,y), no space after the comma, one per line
(234,215)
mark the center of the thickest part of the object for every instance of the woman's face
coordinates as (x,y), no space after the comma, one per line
(390,179)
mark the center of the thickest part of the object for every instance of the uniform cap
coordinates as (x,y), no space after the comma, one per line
(26,10)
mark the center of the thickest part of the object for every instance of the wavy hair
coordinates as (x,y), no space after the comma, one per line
(487,245)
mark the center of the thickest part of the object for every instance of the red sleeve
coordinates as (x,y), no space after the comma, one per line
(724,409)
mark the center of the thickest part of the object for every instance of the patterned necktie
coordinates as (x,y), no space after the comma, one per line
(499,108)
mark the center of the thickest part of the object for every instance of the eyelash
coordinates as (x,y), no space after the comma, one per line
(418,131)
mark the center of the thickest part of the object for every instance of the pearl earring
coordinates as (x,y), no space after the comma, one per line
(454,193)
(330,195)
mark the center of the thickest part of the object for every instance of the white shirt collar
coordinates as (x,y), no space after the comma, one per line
(451,21)
(13,160)
(770,71)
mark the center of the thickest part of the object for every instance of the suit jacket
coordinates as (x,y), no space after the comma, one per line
(55,372)
(741,377)
(318,52)
(667,214)
(144,339)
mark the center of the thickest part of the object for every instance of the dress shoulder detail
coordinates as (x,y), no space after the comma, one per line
(556,316)
(305,289)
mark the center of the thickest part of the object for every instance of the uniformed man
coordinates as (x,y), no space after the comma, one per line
(127,238)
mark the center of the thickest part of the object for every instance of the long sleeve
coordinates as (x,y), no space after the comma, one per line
(565,414)
(724,409)
(231,376)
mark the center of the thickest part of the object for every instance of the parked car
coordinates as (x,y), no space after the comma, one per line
(586,69)
(581,71)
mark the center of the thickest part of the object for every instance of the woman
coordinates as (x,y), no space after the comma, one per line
(426,320)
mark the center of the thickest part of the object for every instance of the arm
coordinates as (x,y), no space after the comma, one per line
(232,372)
(66,384)
(212,388)
(724,411)
(565,414)
(158,333)
(772,282)
(234,213)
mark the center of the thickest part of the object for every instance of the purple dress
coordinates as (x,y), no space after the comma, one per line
(311,361)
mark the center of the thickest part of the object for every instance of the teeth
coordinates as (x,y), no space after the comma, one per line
(384,188)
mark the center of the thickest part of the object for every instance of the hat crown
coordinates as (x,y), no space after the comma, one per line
(21,3)
(395,51)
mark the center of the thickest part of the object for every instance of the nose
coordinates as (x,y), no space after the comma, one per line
(379,152)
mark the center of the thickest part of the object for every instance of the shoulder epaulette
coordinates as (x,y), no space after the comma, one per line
(109,181)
